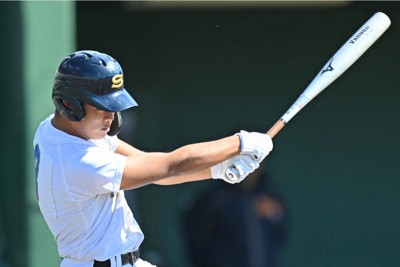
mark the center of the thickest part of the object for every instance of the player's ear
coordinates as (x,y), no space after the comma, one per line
(66,104)
(70,107)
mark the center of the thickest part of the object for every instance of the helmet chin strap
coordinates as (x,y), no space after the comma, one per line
(116,124)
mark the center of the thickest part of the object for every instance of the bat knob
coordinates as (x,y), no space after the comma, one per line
(256,154)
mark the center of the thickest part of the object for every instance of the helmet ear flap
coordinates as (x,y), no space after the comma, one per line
(116,124)
(69,107)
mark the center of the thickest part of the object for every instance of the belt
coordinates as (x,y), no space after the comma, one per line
(130,257)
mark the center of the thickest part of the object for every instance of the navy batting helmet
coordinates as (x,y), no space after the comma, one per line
(89,77)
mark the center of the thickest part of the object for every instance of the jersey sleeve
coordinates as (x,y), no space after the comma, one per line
(113,142)
(98,171)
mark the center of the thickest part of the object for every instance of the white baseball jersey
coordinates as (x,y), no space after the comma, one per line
(78,192)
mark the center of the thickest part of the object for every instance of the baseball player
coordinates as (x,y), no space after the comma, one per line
(82,168)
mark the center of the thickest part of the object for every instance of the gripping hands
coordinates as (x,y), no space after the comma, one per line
(257,145)
(240,166)
(254,148)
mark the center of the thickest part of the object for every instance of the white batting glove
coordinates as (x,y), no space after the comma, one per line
(257,145)
(235,169)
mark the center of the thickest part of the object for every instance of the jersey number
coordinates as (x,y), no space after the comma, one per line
(37,162)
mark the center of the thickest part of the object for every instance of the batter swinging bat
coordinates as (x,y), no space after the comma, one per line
(339,63)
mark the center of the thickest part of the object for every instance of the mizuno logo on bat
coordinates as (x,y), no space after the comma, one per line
(328,68)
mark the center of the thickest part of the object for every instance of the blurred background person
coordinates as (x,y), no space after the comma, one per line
(237,225)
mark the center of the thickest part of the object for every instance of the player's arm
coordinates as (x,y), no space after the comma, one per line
(193,162)
(128,150)
(146,168)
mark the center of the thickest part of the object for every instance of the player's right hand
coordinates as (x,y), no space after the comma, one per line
(257,145)
(235,169)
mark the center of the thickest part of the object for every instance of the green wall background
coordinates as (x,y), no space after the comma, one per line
(200,74)
(12,181)
(49,34)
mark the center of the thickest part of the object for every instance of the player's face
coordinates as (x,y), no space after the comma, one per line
(96,123)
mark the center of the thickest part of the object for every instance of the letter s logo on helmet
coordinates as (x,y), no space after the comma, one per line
(117,81)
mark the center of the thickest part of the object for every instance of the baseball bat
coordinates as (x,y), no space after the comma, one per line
(349,53)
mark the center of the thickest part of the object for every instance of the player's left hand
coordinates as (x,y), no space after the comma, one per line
(257,145)
(235,169)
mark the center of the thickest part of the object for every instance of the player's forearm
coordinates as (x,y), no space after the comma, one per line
(196,157)
(197,176)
